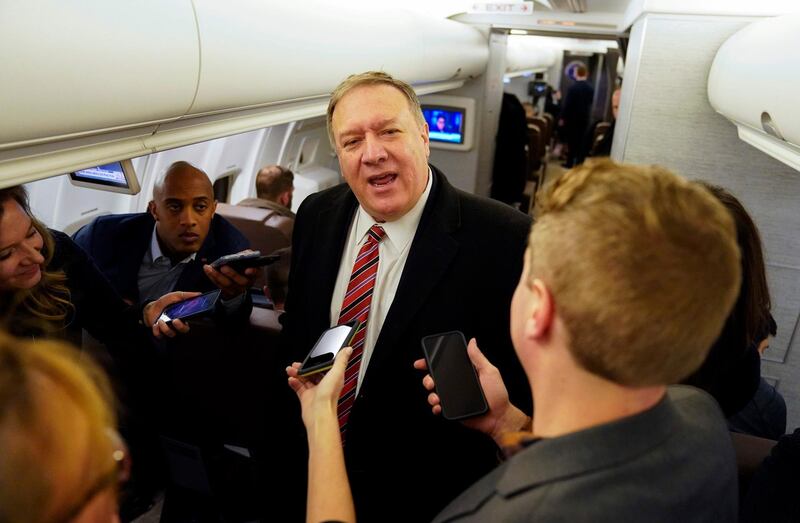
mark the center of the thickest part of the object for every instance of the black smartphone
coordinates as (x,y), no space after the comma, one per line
(191,308)
(456,381)
(241,261)
(327,347)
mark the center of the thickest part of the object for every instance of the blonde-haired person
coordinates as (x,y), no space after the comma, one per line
(629,276)
(50,288)
(61,459)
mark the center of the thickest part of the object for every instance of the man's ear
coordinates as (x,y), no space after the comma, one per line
(426,139)
(151,208)
(213,207)
(284,198)
(542,313)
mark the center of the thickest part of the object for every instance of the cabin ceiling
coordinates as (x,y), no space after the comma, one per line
(584,17)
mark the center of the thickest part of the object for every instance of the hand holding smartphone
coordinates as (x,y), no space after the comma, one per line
(191,308)
(456,382)
(327,347)
(244,260)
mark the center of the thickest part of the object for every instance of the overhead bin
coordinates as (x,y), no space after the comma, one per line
(529,54)
(76,68)
(87,82)
(754,82)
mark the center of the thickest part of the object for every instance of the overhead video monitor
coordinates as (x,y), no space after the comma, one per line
(446,124)
(116,177)
(451,120)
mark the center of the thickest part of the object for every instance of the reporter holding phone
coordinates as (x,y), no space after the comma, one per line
(600,337)
(50,288)
(169,248)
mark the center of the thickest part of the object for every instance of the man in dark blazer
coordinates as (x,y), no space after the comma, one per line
(145,255)
(450,261)
(600,336)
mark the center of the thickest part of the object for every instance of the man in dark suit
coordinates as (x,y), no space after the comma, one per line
(575,114)
(447,261)
(600,336)
(146,255)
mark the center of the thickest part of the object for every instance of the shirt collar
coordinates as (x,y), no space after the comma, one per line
(398,232)
(157,254)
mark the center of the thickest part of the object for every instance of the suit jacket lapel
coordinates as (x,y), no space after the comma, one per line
(134,244)
(331,230)
(431,253)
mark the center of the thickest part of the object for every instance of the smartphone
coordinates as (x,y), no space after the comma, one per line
(241,261)
(455,379)
(193,307)
(327,347)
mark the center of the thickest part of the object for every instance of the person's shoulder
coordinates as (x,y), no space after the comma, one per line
(111,221)
(65,250)
(694,403)
(338,194)
(486,210)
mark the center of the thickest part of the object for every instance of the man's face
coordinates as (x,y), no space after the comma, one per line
(383,151)
(440,124)
(183,211)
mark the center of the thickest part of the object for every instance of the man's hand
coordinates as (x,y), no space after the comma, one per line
(231,283)
(502,416)
(153,310)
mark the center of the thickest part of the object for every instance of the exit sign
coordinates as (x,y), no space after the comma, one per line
(506,8)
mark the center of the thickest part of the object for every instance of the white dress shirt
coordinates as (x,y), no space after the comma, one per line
(393,253)
(157,275)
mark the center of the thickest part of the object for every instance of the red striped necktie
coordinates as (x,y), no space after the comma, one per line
(356,305)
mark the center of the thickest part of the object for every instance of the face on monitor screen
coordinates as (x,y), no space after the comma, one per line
(446,124)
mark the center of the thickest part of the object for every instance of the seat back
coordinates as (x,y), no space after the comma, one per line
(266,230)
(543,126)
(750,453)
(535,150)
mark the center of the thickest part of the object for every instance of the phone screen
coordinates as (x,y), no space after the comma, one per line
(456,382)
(190,307)
(327,347)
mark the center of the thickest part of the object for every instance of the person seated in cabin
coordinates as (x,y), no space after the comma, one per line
(274,189)
(50,288)
(600,336)
(168,248)
(732,371)
(61,457)
(765,414)
(277,286)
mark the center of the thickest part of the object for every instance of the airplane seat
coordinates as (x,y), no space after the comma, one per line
(599,133)
(535,147)
(550,125)
(544,127)
(750,453)
(265,230)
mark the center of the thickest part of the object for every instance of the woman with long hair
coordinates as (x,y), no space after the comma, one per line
(732,370)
